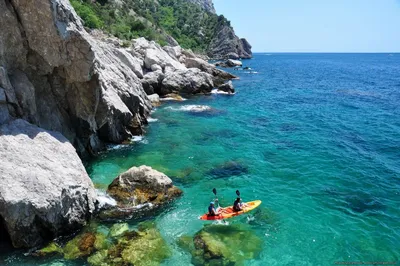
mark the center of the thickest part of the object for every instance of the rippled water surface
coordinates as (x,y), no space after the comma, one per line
(316,137)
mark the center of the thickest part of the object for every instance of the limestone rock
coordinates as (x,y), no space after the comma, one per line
(219,76)
(141,185)
(227,87)
(84,86)
(155,99)
(207,5)
(226,44)
(174,52)
(44,188)
(152,82)
(189,81)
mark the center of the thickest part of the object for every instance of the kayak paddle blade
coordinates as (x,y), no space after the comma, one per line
(215,191)
(238,193)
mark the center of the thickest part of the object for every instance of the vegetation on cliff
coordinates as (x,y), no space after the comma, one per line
(188,23)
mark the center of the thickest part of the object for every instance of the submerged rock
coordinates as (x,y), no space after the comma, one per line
(81,246)
(228,169)
(44,189)
(118,229)
(222,245)
(140,248)
(50,249)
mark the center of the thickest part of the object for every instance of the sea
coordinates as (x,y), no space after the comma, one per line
(315,137)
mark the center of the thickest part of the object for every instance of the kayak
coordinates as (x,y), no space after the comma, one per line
(228,212)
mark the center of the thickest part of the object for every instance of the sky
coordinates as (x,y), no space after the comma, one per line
(315,25)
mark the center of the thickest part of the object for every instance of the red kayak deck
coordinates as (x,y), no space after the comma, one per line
(228,212)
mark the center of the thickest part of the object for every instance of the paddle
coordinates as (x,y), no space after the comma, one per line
(238,193)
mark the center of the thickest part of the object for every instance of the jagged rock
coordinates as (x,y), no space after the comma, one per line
(207,5)
(141,185)
(156,68)
(227,87)
(189,81)
(219,76)
(133,63)
(156,55)
(44,188)
(175,51)
(226,44)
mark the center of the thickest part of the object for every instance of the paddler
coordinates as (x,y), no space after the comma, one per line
(212,211)
(238,205)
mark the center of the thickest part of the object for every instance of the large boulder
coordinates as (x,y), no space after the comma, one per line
(44,188)
(188,81)
(152,82)
(141,185)
(4,114)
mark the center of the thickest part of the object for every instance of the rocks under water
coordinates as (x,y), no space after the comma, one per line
(222,245)
(228,169)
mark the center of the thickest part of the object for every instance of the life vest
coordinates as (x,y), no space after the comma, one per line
(211,211)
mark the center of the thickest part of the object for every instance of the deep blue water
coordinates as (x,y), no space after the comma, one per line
(316,137)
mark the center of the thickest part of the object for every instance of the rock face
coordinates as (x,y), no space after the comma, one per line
(141,185)
(226,45)
(207,5)
(60,78)
(44,188)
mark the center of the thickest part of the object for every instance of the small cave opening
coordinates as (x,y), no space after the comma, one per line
(5,240)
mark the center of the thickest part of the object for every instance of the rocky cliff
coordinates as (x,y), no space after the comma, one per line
(227,45)
(61,84)
(207,5)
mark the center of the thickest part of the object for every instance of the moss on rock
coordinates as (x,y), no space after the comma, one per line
(140,248)
(50,249)
(225,245)
(118,229)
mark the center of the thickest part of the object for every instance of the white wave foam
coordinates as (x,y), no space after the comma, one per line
(137,138)
(104,200)
(113,147)
(190,108)
(151,120)
(217,91)
(172,99)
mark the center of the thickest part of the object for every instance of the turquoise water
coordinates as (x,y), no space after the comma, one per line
(316,137)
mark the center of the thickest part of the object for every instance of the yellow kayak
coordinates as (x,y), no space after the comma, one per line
(228,212)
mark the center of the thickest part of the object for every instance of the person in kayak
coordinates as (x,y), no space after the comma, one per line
(212,211)
(238,205)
